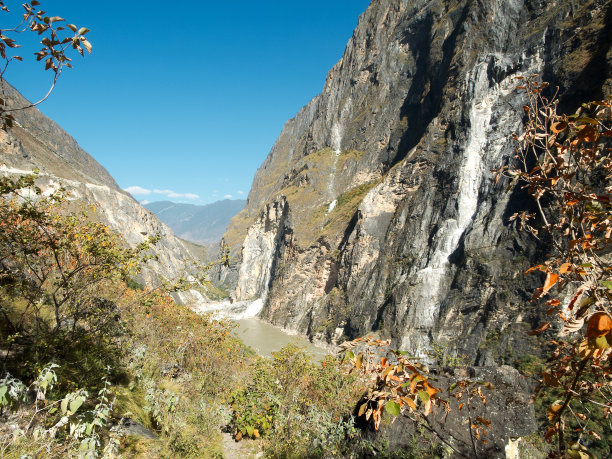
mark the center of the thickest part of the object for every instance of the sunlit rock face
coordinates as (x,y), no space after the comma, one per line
(36,142)
(391,220)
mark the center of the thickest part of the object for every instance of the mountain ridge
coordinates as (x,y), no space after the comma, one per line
(37,142)
(201,224)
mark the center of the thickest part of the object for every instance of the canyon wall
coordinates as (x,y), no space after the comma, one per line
(376,209)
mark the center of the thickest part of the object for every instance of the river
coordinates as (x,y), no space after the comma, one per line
(261,336)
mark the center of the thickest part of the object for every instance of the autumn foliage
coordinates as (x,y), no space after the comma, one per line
(565,164)
(57,40)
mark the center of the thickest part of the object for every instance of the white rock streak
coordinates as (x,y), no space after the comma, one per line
(430,289)
(226,310)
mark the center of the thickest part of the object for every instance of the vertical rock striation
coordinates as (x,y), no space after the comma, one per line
(376,208)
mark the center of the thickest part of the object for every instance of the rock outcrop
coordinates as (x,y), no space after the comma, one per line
(376,208)
(36,142)
(507,410)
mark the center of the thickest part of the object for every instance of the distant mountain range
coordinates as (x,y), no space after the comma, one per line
(199,224)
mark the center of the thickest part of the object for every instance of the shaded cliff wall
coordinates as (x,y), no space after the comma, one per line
(35,141)
(391,221)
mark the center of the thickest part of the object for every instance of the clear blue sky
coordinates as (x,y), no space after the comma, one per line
(188,97)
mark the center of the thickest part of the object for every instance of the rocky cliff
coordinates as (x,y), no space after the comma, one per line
(376,208)
(35,141)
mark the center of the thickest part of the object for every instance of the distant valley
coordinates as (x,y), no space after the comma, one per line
(200,224)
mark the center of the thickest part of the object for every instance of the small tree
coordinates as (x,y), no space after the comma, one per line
(565,163)
(58,270)
(57,39)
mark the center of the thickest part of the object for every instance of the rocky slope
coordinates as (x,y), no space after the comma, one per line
(376,208)
(35,141)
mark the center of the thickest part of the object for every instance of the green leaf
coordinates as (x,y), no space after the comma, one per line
(424,396)
(64,405)
(400,352)
(76,404)
(392,408)
(84,444)
(586,120)
(250,430)
(350,354)
(606,284)
(452,387)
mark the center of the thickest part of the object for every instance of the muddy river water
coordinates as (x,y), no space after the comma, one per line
(261,336)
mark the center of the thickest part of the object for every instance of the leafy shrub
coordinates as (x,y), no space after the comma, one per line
(52,422)
(297,407)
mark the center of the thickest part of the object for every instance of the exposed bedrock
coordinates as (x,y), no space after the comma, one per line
(376,209)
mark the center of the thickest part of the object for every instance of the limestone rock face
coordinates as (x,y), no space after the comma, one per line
(35,141)
(261,244)
(376,209)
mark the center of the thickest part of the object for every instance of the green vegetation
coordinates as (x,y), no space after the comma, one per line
(100,350)
(298,408)
(97,347)
(347,205)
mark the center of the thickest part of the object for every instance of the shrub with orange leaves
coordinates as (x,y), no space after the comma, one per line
(565,163)
(398,384)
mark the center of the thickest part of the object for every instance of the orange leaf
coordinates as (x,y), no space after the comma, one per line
(551,280)
(553,410)
(533,268)
(359,361)
(565,268)
(408,401)
(550,380)
(588,134)
(540,329)
(599,324)
(549,433)
(594,434)
(558,127)
(484,421)
(460,406)
(383,362)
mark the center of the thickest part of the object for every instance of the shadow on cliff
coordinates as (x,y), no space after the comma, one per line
(424,100)
(590,83)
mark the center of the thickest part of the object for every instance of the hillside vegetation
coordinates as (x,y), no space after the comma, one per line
(86,352)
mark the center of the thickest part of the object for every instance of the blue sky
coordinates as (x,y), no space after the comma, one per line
(184,100)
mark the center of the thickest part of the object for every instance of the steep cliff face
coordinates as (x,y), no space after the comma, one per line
(386,215)
(35,141)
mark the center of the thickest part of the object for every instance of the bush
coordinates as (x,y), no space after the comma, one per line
(298,408)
